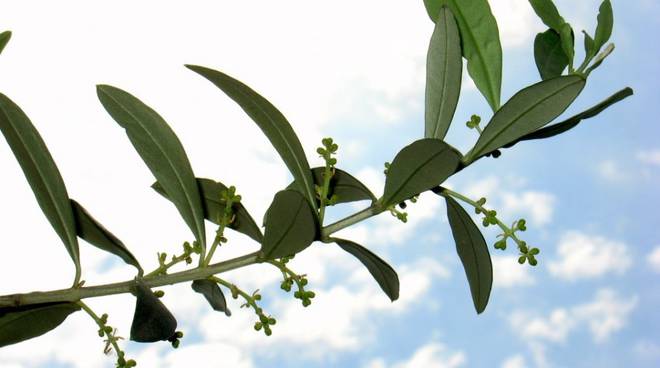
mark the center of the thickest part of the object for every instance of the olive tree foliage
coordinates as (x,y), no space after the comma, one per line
(465,32)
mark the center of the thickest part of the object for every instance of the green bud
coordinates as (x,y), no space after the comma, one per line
(257,326)
(306,302)
(107,329)
(521,259)
(175,344)
(532,261)
(310,294)
(131,363)
(101,333)
(303,281)
(271,321)
(534,251)
(267,331)
(263,319)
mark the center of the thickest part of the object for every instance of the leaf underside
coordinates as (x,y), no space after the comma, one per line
(528,110)
(151,321)
(23,323)
(382,272)
(213,295)
(573,121)
(418,167)
(271,121)
(214,207)
(290,225)
(41,173)
(473,252)
(97,235)
(161,151)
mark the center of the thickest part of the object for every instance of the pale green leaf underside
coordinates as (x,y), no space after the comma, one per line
(161,151)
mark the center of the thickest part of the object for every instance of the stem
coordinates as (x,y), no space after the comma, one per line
(474,204)
(110,335)
(76,294)
(163,268)
(216,241)
(370,211)
(327,175)
(248,298)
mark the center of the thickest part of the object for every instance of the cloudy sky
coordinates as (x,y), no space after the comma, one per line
(354,71)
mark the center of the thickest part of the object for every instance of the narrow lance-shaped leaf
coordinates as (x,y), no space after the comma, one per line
(23,323)
(418,167)
(444,67)
(95,234)
(214,208)
(4,39)
(549,54)
(161,150)
(151,321)
(473,252)
(213,295)
(383,273)
(605,25)
(290,225)
(41,173)
(271,121)
(528,110)
(573,121)
(480,38)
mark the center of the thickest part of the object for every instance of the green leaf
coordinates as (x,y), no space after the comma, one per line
(433,8)
(95,234)
(272,123)
(151,321)
(23,323)
(41,173)
(528,110)
(4,39)
(290,225)
(570,123)
(444,67)
(213,295)
(214,207)
(589,46)
(481,46)
(161,150)
(605,25)
(344,185)
(547,11)
(549,54)
(568,42)
(418,167)
(383,273)
(473,252)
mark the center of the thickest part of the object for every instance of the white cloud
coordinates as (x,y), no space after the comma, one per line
(507,272)
(589,256)
(647,350)
(651,157)
(431,355)
(654,259)
(388,230)
(516,361)
(611,171)
(434,355)
(338,318)
(606,314)
(510,199)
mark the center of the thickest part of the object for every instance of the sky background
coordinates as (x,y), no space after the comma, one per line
(354,71)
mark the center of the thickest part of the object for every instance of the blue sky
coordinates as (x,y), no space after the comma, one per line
(353,72)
